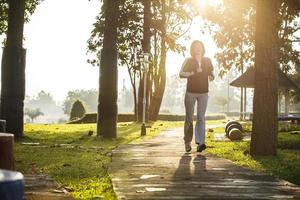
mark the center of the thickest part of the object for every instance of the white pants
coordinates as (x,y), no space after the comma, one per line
(189,102)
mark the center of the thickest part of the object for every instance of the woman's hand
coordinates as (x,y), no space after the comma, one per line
(198,70)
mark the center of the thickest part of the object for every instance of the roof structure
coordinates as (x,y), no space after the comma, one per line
(247,80)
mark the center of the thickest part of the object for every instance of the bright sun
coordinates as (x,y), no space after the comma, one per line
(204,3)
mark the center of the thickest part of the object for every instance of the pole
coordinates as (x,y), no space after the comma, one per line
(145,69)
(242,89)
(144,98)
(286,102)
(245,102)
(228,94)
(143,128)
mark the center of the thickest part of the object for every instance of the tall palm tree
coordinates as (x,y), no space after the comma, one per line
(13,70)
(108,80)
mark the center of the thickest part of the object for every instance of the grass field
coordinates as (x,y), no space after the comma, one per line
(75,160)
(79,162)
(285,165)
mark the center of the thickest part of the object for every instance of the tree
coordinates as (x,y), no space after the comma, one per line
(233,25)
(165,30)
(44,101)
(30,6)
(12,17)
(33,113)
(146,45)
(77,111)
(107,105)
(265,122)
(229,38)
(170,21)
(129,41)
(88,97)
(13,70)
(159,74)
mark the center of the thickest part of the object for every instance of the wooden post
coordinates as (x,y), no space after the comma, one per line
(242,105)
(7,160)
(279,103)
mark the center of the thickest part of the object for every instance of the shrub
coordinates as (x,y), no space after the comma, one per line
(127,117)
(77,111)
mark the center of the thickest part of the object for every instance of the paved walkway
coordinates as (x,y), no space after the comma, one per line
(160,169)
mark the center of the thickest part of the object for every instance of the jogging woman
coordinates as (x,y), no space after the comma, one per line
(198,70)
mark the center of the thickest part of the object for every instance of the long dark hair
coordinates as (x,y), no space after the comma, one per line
(192,51)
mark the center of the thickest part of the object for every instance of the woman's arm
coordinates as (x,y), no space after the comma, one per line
(183,71)
(211,75)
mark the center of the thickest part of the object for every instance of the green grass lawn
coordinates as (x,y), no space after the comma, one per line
(79,162)
(75,160)
(285,165)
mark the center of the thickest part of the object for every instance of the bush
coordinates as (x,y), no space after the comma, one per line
(127,117)
(77,111)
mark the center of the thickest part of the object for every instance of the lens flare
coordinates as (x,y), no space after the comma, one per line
(205,3)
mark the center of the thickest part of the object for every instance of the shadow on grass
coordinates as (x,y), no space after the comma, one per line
(286,165)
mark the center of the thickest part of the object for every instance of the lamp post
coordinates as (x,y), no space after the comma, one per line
(145,71)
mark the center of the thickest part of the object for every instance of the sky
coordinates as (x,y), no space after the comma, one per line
(56,42)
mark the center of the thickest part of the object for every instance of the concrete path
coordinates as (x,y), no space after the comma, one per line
(160,169)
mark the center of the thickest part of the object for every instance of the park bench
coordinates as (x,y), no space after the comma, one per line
(294,118)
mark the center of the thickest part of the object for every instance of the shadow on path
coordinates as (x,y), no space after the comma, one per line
(160,169)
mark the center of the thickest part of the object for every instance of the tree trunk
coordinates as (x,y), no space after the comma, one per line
(242,89)
(135,103)
(161,80)
(140,99)
(108,83)
(13,71)
(265,124)
(286,102)
(146,49)
(7,160)
(132,76)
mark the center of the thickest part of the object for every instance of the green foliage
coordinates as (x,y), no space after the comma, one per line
(289,140)
(30,6)
(33,113)
(77,111)
(129,33)
(179,15)
(88,97)
(40,100)
(233,26)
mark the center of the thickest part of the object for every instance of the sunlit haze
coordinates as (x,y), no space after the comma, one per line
(56,42)
(203,3)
